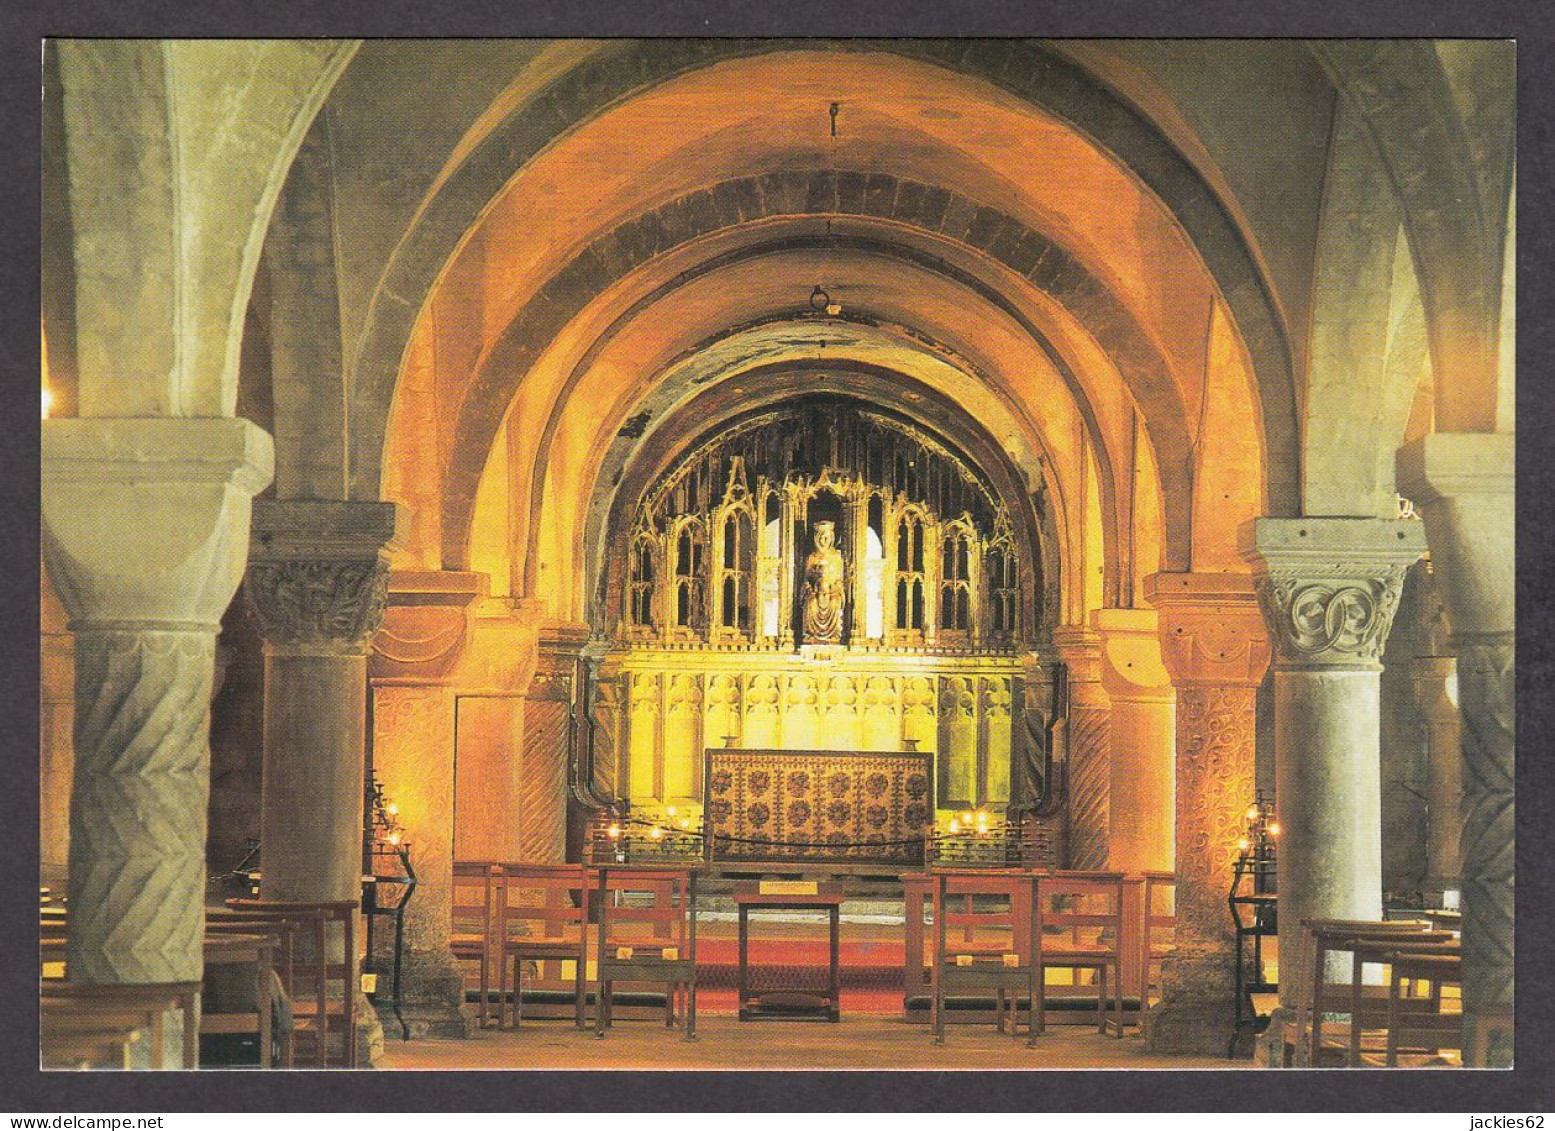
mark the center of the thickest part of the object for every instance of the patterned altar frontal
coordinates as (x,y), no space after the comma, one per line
(821,806)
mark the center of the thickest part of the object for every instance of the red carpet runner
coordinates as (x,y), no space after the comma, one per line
(871,971)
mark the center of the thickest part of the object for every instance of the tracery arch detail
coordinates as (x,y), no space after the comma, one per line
(929,560)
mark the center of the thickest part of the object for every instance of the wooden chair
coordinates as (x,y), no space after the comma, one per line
(255,950)
(646,933)
(542,916)
(1079,926)
(1158,929)
(75,1018)
(1369,1010)
(283,931)
(983,931)
(318,1013)
(1313,994)
(1431,1028)
(917,951)
(474,937)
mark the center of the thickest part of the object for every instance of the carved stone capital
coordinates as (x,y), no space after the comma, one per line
(145,521)
(1131,668)
(1211,630)
(426,624)
(1080,650)
(1329,586)
(318,573)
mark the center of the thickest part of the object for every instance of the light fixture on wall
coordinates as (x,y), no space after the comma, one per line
(821,302)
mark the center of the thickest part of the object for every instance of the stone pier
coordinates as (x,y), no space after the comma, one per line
(145,531)
(1329,588)
(1464,486)
(317,581)
(1215,648)
(1143,718)
(425,630)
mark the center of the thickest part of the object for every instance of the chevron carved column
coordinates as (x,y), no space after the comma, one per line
(1216,649)
(1464,487)
(1090,748)
(145,527)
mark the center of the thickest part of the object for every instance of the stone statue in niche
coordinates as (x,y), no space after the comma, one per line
(824,588)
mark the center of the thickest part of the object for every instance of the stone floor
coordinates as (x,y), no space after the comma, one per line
(724,1042)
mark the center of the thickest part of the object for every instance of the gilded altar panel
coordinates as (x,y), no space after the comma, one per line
(678,702)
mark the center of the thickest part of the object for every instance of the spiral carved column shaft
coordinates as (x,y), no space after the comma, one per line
(1329,588)
(1464,487)
(1090,749)
(1487,682)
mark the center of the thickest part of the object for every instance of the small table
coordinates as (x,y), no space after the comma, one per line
(790,895)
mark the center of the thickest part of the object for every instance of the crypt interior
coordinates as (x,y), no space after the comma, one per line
(1041,511)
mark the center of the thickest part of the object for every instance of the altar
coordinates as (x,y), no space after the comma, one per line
(818,807)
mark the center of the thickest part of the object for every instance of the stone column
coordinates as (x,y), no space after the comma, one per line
(425,629)
(1090,747)
(145,531)
(1463,485)
(56,722)
(1435,681)
(549,746)
(317,580)
(1143,787)
(1329,588)
(1216,649)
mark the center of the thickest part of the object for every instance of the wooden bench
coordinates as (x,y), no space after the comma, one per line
(100,1014)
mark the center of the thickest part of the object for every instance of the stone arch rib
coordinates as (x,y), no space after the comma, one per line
(1025,69)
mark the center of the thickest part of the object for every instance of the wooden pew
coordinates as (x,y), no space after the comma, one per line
(71,1009)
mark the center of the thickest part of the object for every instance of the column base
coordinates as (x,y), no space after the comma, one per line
(1269,1050)
(1487,1038)
(1197,1010)
(432,998)
(369,1034)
